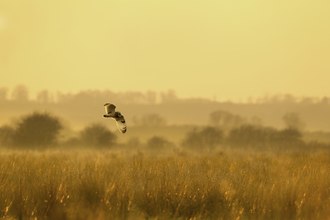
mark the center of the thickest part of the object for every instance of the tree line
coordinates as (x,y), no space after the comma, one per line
(43,130)
(21,94)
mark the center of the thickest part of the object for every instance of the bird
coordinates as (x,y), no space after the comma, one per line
(117,116)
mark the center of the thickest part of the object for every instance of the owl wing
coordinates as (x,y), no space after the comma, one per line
(109,108)
(121,124)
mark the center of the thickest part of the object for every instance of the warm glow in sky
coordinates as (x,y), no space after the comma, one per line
(230,49)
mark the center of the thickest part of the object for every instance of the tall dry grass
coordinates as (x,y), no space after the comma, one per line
(90,185)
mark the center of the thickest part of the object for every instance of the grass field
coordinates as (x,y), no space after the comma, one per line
(105,185)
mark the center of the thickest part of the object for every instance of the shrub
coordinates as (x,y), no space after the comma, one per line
(289,136)
(226,120)
(293,121)
(97,135)
(6,135)
(249,135)
(133,143)
(257,136)
(158,143)
(205,140)
(37,130)
(150,120)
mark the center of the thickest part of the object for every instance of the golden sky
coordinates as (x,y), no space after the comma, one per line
(231,49)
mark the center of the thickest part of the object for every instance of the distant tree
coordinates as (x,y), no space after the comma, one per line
(323,101)
(158,143)
(133,97)
(20,93)
(226,120)
(37,130)
(308,100)
(133,143)
(277,99)
(93,96)
(6,135)
(64,98)
(97,135)
(206,139)
(289,136)
(251,135)
(43,97)
(289,99)
(293,121)
(256,121)
(72,142)
(168,97)
(151,97)
(258,136)
(3,93)
(150,120)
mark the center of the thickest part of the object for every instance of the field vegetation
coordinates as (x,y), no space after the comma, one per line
(232,168)
(113,185)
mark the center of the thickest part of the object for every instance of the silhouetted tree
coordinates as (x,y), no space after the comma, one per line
(251,136)
(226,120)
(20,93)
(97,135)
(6,135)
(133,97)
(256,121)
(324,101)
(37,130)
(277,99)
(257,136)
(3,93)
(150,120)
(133,143)
(204,140)
(151,97)
(289,99)
(293,121)
(289,136)
(308,100)
(72,142)
(168,97)
(44,97)
(158,143)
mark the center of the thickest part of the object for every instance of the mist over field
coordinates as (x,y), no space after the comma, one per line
(265,158)
(166,115)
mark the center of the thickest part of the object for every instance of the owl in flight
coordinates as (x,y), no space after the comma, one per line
(117,116)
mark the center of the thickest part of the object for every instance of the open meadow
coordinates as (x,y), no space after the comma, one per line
(108,185)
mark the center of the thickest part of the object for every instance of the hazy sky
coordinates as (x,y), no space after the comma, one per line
(200,48)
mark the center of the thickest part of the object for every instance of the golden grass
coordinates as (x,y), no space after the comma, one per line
(90,185)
